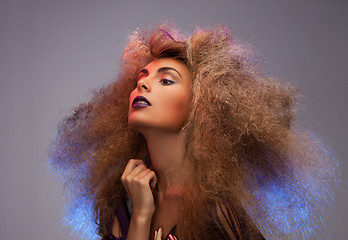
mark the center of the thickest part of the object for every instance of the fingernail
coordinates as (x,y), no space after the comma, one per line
(171,237)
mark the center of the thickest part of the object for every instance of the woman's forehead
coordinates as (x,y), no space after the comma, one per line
(169,63)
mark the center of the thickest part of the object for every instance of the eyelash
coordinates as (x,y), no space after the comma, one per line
(164,81)
(169,82)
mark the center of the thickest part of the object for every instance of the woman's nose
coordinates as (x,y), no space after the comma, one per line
(143,85)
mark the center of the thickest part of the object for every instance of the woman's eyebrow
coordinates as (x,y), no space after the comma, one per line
(162,69)
(145,71)
(142,72)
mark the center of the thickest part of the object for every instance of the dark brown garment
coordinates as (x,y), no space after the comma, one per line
(231,226)
(225,225)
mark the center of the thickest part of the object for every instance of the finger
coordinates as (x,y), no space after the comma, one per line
(152,179)
(143,178)
(138,177)
(155,238)
(140,174)
(136,171)
(131,165)
(159,234)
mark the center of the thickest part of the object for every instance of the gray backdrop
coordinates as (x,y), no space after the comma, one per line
(53,53)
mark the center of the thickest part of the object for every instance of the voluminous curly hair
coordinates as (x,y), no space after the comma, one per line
(242,140)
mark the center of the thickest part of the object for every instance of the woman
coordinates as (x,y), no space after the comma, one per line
(192,142)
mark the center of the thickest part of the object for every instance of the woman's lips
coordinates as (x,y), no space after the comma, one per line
(140,102)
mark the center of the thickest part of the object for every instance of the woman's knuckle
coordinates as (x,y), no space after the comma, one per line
(128,179)
(142,184)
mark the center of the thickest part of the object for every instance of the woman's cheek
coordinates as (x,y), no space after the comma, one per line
(180,112)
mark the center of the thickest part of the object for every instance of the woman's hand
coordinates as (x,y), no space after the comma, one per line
(139,182)
(158,234)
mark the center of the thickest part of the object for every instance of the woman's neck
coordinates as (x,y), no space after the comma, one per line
(167,152)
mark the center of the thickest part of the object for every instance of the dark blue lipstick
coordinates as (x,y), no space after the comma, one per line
(140,102)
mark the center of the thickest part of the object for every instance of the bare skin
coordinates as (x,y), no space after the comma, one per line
(171,179)
(155,193)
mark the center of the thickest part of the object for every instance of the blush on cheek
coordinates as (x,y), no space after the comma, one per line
(182,111)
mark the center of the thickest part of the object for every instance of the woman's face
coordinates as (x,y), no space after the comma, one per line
(161,99)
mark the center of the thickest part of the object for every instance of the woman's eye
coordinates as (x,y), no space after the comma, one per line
(167,82)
